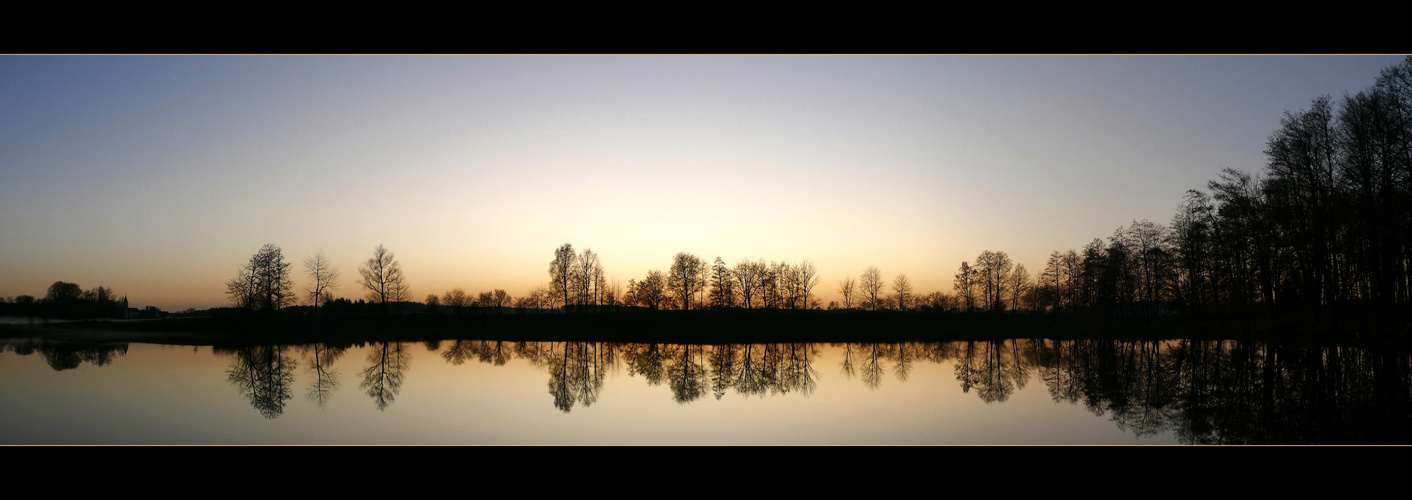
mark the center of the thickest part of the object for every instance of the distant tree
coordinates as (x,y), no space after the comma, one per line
(845,288)
(745,278)
(499,299)
(456,299)
(561,273)
(325,278)
(433,304)
(383,278)
(63,291)
(965,284)
(585,276)
(903,288)
(722,285)
(263,284)
(684,277)
(994,269)
(1019,285)
(651,291)
(808,279)
(872,283)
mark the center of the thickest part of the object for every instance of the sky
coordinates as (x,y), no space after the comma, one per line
(159,176)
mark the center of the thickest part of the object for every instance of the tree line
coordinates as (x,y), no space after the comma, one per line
(68,301)
(1328,222)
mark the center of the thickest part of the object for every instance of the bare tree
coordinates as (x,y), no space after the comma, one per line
(722,285)
(684,278)
(561,273)
(872,283)
(456,299)
(585,274)
(1020,284)
(263,284)
(903,288)
(994,268)
(808,279)
(747,277)
(845,288)
(500,299)
(651,291)
(325,278)
(383,278)
(965,285)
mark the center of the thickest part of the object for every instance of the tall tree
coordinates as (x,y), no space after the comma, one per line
(747,275)
(324,276)
(903,288)
(871,283)
(722,285)
(651,291)
(965,284)
(808,279)
(585,276)
(561,273)
(382,276)
(1020,284)
(684,277)
(994,269)
(845,288)
(263,284)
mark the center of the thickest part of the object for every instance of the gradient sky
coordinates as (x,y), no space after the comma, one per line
(159,176)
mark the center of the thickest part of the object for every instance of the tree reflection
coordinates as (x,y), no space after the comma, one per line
(323,378)
(387,367)
(797,371)
(264,375)
(686,373)
(723,368)
(871,358)
(645,359)
(64,356)
(576,373)
(1201,391)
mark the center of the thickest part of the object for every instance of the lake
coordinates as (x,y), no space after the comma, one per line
(1012,391)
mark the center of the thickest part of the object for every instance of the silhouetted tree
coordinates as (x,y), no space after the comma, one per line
(1020,285)
(561,273)
(651,291)
(263,285)
(456,299)
(684,277)
(845,288)
(903,288)
(966,284)
(722,285)
(383,278)
(871,283)
(808,279)
(325,278)
(747,275)
(994,272)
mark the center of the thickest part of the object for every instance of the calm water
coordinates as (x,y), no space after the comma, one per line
(473,392)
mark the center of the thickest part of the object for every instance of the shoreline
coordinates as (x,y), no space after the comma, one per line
(709,327)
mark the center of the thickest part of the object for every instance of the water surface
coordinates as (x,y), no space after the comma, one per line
(1018,391)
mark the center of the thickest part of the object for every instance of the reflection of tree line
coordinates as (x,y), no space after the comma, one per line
(1235,391)
(265,374)
(66,356)
(1203,391)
